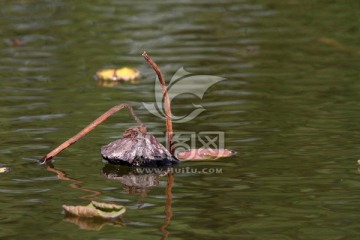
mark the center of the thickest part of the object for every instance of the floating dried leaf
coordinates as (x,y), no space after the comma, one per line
(4,169)
(203,154)
(96,209)
(120,74)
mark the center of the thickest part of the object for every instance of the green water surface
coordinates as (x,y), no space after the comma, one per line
(289,106)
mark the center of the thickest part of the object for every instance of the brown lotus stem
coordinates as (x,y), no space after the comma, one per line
(167,104)
(168,211)
(89,128)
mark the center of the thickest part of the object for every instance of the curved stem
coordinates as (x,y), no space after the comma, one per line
(87,129)
(167,105)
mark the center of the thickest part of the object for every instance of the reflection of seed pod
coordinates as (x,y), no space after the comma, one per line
(137,148)
(135,177)
(136,181)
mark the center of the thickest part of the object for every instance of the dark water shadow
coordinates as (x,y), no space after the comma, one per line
(85,223)
(76,184)
(135,181)
(93,223)
(138,181)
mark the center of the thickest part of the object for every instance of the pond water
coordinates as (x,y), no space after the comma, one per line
(289,106)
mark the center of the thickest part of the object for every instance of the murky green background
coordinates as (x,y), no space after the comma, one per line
(290,106)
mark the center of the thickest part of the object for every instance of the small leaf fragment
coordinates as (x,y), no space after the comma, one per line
(4,169)
(203,154)
(120,74)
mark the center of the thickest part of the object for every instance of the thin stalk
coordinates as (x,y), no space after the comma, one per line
(168,211)
(89,128)
(167,103)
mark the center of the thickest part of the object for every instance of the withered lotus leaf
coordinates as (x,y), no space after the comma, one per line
(203,154)
(117,74)
(96,209)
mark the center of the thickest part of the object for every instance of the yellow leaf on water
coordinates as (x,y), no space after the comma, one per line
(4,169)
(120,74)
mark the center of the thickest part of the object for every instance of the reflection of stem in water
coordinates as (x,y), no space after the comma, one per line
(168,211)
(75,183)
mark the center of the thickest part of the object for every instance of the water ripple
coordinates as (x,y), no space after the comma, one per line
(40,117)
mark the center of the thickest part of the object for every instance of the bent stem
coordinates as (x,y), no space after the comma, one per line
(167,103)
(89,128)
